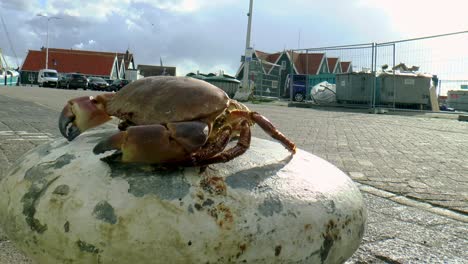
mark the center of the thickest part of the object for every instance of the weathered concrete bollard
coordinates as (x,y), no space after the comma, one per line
(61,204)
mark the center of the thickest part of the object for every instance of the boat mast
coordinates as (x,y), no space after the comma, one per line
(9,41)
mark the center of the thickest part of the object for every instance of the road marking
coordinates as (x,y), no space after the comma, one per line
(10,135)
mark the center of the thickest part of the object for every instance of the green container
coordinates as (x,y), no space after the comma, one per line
(227,83)
(355,88)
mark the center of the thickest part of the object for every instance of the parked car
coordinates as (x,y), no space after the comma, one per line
(47,77)
(97,83)
(63,80)
(77,80)
(118,84)
(299,87)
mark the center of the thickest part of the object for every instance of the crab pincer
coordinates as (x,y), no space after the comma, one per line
(82,113)
(171,143)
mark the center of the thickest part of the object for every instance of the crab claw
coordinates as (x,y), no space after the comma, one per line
(82,113)
(113,142)
(170,143)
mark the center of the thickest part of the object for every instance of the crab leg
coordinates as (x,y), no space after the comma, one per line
(268,127)
(212,149)
(242,145)
(171,143)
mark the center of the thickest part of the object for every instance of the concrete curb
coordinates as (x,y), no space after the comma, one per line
(413,203)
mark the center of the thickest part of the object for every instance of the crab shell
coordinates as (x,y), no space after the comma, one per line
(174,100)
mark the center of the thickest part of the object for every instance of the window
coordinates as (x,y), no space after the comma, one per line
(274,84)
(283,65)
(50,74)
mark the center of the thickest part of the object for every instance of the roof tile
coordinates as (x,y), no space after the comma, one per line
(345,66)
(83,61)
(331,63)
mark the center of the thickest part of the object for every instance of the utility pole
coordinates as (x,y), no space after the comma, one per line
(47,41)
(248,51)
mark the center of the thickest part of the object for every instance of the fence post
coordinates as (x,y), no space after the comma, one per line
(307,95)
(374,58)
(291,77)
(278,86)
(394,86)
(261,84)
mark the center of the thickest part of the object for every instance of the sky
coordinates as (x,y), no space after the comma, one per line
(211,35)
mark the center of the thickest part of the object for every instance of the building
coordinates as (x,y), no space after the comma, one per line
(153,70)
(309,63)
(108,65)
(346,67)
(334,65)
(278,66)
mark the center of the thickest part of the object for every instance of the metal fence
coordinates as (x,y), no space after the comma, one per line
(396,74)
(266,78)
(358,81)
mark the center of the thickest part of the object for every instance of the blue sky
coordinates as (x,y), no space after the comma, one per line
(210,35)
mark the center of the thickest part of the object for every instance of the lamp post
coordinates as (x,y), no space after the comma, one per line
(47,41)
(248,50)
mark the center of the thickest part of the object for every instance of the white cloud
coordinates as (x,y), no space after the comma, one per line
(19,5)
(185,66)
(445,56)
(11,62)
(89,9)
(78,46)
(89,45)
(186,6)
(71,12)
(132,25)
(101,10)
(420,17)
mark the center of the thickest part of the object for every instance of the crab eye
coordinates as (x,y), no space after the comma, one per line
(91,98)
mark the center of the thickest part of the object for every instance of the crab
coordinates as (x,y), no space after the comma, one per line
(168,120)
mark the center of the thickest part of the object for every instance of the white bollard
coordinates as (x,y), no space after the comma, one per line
(61,204)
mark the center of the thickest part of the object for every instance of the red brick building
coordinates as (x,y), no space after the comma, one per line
(109,65)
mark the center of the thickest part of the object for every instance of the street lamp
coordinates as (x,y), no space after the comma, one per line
(248,50)
(47,42)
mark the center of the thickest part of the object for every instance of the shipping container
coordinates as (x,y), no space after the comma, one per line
(405,89)
(458,100)
(355,88)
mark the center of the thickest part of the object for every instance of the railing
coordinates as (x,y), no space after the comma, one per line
(395,74)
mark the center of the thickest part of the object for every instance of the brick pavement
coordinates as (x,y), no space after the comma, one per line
(424,159)
(403,155)
(22,127)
